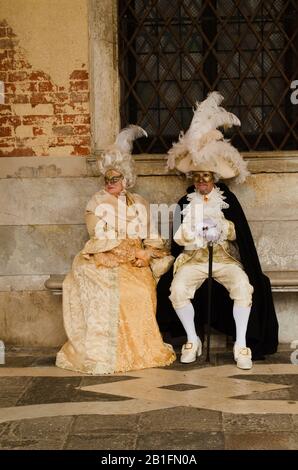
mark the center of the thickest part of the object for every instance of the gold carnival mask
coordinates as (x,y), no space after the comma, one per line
(202,176)
(112,179)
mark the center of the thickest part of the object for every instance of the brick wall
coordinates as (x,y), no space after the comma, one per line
(39,117)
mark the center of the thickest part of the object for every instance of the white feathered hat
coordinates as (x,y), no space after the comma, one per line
(203,147)
(118,156)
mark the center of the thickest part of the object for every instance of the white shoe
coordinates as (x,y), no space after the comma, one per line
(190,351)
(242,356)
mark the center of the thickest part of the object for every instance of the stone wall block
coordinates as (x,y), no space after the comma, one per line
(31,319)
(45,200)
(39,249)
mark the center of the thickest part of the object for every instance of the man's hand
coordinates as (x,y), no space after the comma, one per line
(208,223)
(212,234)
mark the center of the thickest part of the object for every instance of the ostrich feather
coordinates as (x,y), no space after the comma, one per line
(208,116)
(178,150)
(126,136)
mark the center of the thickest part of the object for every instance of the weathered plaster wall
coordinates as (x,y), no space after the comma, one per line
(44,67)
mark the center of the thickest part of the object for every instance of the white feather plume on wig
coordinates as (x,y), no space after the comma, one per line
(203,147)
(118,156)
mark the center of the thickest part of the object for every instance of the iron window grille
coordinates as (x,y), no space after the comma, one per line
(173,52)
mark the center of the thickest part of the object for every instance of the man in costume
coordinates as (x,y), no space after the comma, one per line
(211,214)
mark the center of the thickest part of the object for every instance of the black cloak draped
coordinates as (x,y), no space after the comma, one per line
(262,330)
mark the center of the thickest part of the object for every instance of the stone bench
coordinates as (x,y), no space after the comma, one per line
(281,281)
(54,283)
(285,305)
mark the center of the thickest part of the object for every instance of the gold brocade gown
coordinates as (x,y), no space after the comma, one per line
(109,311)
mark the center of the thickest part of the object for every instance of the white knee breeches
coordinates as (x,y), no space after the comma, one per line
(191,276)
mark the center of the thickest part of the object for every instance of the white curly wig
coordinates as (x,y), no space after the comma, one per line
(118,156)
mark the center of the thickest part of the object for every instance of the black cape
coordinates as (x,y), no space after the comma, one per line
(262,330)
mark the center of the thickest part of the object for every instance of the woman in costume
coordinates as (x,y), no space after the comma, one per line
(109,297)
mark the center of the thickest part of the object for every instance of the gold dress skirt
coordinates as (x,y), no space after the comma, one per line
(109,309)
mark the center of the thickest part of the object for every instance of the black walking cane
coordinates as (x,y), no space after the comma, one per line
(210,251)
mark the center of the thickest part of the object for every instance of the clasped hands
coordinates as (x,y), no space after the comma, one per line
(142,258)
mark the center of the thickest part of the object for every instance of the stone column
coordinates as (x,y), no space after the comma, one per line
(104,79)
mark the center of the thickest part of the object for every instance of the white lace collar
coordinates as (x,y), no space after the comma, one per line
(215,198)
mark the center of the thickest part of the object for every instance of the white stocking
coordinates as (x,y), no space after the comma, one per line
(186,315)
(241,316)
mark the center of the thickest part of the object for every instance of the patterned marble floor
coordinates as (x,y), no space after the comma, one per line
(181,407)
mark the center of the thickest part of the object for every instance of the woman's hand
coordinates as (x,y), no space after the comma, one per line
(139,263)
(142,258)
(144,255)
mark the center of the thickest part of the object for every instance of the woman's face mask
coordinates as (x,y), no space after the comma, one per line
(112,179)
(113,182)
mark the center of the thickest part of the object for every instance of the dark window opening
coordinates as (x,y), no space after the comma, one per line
(173,52)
